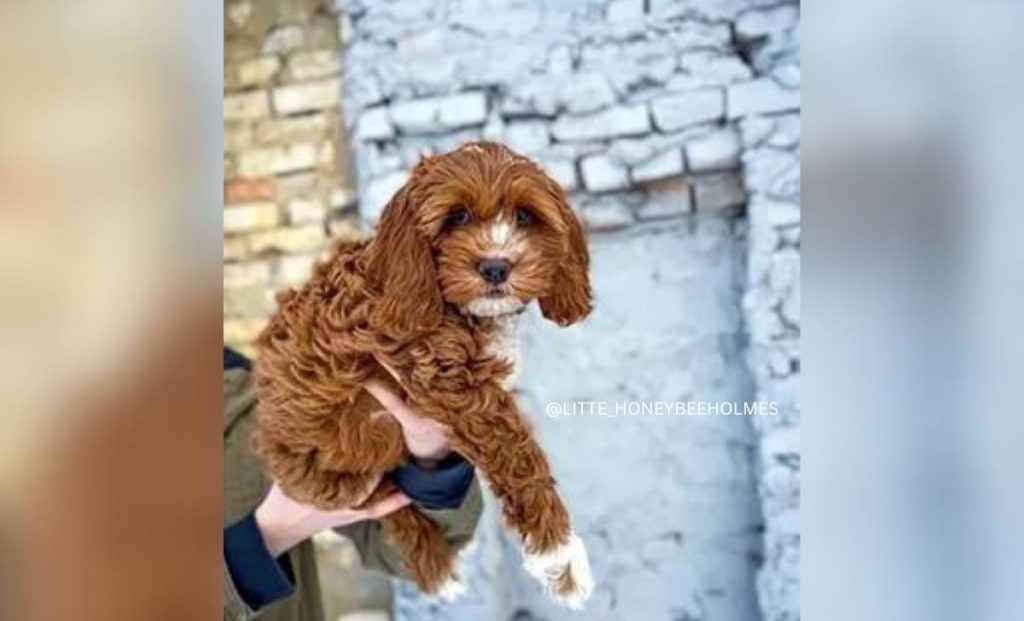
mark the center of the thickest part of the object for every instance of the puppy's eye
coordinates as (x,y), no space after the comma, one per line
(524,217)
(458,217)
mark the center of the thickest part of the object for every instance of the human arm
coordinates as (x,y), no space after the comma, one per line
(246,487)
(258,571)
(445,491)
(442,484)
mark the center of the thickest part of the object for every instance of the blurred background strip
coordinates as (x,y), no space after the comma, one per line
(110,121)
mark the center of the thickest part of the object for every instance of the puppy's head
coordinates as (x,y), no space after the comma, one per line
(482,229)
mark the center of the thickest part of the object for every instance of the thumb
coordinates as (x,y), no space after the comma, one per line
(391,402)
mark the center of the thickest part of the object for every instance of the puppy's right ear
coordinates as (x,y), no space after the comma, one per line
(570,299)
(401,267)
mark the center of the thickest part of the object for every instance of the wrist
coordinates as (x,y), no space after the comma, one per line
(274,533)
(431,459)
(443,487)
(446,461)
(427,463)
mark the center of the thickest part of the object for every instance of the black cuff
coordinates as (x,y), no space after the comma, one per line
(444,487)
(258,577)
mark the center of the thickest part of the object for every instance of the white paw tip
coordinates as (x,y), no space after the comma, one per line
(452,589)
(550,569)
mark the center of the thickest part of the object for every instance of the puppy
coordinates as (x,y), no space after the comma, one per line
(472,238)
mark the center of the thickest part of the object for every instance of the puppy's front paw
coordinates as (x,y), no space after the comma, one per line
(564,572)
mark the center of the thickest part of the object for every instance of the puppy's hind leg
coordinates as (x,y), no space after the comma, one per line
(428,558)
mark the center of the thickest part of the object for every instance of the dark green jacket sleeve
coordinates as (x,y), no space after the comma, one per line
(245,486)
(303,605)
(457,525)
(235,608)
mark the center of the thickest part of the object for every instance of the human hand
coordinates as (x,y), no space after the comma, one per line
(426,439)
(284,522)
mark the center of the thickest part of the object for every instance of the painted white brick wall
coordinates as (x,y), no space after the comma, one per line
(666,505)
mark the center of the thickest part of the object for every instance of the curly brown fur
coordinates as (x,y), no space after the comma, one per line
(417,298)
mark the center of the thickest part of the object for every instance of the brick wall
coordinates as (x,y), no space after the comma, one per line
(770,126)
(626,111)
(287,186)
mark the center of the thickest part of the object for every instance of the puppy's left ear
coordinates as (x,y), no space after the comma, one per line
(570,299)
(402,266)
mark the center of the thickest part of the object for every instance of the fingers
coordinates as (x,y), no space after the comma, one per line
(370,488)
(344,517)
(387,506)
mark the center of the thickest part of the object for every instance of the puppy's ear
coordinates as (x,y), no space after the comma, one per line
(402,269)
(570,298)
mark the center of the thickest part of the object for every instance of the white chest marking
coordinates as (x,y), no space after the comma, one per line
(504,344)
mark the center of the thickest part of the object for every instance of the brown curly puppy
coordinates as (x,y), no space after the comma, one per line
(461,249)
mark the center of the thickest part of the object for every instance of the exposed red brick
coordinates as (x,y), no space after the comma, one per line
(247,190)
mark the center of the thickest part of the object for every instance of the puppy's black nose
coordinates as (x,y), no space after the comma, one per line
(494,271)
